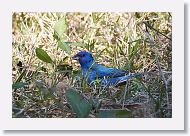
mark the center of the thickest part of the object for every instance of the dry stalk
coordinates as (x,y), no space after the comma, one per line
(151,40)
(124,96)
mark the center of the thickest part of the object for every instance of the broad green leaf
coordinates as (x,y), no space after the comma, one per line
(117,113)
(75,44)
(78,103)
(60,29)
(18,85)
(64,46)
(42,55)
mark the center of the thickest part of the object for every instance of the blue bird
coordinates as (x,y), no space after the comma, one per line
(107,76)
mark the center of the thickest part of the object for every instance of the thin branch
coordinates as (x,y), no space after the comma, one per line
(20,111)
(124,96)
(148,25)
(158,65)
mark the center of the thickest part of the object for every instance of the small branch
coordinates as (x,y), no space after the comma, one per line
(156,56)
(169,79)
(148,25)
(126,89)
(151,40)
(20,111)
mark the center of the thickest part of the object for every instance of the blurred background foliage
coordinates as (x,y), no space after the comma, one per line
(47,83)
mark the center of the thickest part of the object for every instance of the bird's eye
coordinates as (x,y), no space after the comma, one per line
(83,55)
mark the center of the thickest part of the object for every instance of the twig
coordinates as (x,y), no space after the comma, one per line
(147,24)
(169,79)
(158,65)
(20,111)
(126,89)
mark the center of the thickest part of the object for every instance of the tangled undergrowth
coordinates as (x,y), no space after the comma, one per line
(47,83)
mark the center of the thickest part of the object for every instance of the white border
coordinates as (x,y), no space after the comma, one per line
(174,123)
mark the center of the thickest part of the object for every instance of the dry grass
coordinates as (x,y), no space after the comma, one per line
(115,39)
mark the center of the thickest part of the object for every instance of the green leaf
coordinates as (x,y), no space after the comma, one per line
(60,29)
(42,55)
(76,44)
(78,103)
(18,85)
(64,46)
(114,114)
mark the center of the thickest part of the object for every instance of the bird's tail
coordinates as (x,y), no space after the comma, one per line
(117,81)
(135,75)
(123,79)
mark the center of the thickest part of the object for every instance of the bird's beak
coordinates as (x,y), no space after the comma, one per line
(75,57)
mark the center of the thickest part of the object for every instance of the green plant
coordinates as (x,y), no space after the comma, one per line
(43,70)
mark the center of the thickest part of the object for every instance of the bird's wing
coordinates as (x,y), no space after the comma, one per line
(109,72)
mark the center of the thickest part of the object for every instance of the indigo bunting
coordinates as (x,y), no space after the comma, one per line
(107,76)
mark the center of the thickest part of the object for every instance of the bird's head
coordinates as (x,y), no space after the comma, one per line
(85,58)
